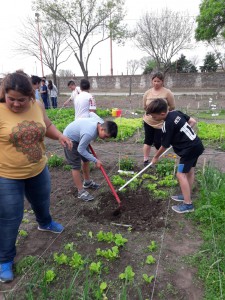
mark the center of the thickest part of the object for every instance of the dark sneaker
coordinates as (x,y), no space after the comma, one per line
(84,195)
(6,273)
(52,227)
(146,162)
(183,208)
(91,185)
(178,198)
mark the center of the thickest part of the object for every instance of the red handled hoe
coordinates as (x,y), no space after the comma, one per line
(118,210)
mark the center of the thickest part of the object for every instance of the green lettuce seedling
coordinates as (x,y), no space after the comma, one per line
(49,276)
(147,278)
(150,260)
(60,259)
(95,267)
(128,274)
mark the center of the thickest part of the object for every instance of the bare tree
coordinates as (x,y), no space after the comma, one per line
(89,22)
(162,35)
(218,46)
(194,60)
(55,50)
(66,73)
(132,66)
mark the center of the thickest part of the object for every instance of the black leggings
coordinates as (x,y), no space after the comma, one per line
(153,136)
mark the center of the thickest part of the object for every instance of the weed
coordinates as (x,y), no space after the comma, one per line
(67,168)
(55,161)
(126,164)
(24,264)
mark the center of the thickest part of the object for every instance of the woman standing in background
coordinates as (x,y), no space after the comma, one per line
(53,93)
(153,128)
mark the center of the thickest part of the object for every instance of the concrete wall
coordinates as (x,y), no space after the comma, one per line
(137,83)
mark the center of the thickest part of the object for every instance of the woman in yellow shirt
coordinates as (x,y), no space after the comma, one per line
(152,128)
(23,169)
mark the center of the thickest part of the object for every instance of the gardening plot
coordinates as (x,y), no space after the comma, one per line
(137,254)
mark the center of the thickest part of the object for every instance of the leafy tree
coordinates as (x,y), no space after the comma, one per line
(162,35)
(182,65)
(210,64)
(55,50)
(185,66)
(211,20)
(89,22)
(150,66)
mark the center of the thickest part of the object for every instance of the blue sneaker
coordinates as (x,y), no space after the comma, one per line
(52,227)
(6,273)
(183,208)
(178,198)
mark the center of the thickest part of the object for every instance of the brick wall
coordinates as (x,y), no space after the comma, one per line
(196,81)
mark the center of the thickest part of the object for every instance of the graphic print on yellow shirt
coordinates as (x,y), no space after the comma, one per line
(26,138)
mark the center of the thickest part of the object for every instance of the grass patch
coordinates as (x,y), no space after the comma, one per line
(210,217)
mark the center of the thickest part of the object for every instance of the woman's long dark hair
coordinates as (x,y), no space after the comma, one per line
(17,81)
(50,85)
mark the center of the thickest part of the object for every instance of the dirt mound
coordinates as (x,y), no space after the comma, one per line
(139,210)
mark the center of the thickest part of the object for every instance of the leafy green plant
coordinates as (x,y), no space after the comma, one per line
(69,246)
(119,240)
(23,233)
(135,184)
(76,261)
(150,260)
(109,254)
(117,180)
(152,247)
(25,263)
(128,274)
(109,237)
(165,167)
(147,278)
(49,276)
(160,194)
(95,267)
(26,221)
(168,181)
(55,161)
(127,127)
(127,164)
(149,176)
(67,168)
(61,259)
(151,186)
(105,236)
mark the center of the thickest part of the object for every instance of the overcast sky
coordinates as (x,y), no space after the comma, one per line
(13,12)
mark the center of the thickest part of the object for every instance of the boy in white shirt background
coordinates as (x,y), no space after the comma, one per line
(84,102)
(75,91)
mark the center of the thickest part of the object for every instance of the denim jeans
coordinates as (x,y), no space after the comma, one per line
(54,102)
(12,191)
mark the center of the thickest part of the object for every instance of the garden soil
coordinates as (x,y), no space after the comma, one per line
(142,220)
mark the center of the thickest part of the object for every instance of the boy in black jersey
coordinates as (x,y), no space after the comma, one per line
(177,131)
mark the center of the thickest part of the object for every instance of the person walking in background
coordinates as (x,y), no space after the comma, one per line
(82,131)
(44,94)
(152,128)
(36,82)
(177,131)
(46,81)
(53,93)
(84,102)
(75,91)
(24,171)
